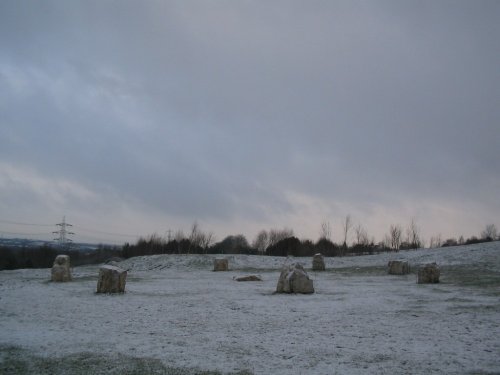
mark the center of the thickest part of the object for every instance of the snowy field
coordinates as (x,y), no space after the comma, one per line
(179,317)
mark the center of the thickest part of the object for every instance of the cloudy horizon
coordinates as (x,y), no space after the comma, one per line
(139,117)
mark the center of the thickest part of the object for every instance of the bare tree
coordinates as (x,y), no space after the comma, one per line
(261,241)
(395,237)
(490,232)
(198,238)
(207,240)
(346,226)
(195,237)
(387,241)
(361,235)
(436,241)
(179,236)
(325,231)
(276,235)
(413,235)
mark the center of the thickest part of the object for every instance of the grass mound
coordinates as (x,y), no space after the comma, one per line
(17,361)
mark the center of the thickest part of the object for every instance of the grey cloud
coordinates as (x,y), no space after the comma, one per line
(214,109)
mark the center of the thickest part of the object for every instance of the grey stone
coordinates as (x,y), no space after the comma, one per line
(318,263)
(429,274)
(294,279)
(111,279)
(221,265)
(61,269)
(398,267)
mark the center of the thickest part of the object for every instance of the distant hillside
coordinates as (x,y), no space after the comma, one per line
(28,243)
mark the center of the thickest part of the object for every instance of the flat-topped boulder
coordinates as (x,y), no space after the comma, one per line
(112,279)
(318,262)
(398,267)
(221,265)
(248,278)
(61,269)
(428,274)
(294,279)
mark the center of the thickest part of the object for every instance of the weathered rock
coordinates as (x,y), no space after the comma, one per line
(221,265)
(248,278)
(294,279)
(60,269)
(111,279)
(398,267)
(428,274)
(318,262)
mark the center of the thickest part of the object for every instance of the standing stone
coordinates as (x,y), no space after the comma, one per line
(111,280)
(60,269)
(429,274)
(221,265)
(318,262)
(294,279)
(398,267)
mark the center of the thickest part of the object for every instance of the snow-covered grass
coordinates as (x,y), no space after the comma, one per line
(179,317)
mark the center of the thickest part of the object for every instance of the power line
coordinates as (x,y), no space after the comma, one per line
(25,234)
(61,229)
(108,233)
(29,224)
(75,226)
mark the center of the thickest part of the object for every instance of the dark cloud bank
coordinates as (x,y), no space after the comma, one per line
(137,117)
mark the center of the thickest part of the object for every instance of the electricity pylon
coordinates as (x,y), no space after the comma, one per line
(63,239)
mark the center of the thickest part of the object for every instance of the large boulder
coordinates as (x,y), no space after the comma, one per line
(294,279)
(111,279)
(318,262)
(221,265)
(398,267)
(60,269)
(429,274)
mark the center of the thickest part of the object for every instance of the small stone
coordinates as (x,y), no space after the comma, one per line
(318,262)
(429,274)
(111,280)
(221,265)
(249,278)
(60,270)
(398,267)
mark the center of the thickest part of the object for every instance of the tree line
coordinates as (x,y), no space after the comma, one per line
(283,242)
(43,256)
(274,242)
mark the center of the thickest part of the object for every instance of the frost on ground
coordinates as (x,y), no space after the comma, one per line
(179,317)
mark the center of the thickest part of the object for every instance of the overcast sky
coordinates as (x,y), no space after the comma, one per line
(135,117)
